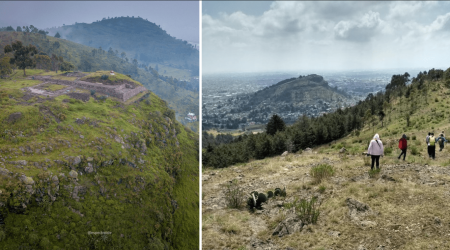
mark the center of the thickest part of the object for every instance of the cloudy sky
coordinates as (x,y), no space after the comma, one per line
(179,18)
(324,36)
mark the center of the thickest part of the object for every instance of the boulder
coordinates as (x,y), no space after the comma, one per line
(55,179)
(285,153)
(27,180)
(77,160)
(73,174)
(89,169)
(290,225)
(342,150)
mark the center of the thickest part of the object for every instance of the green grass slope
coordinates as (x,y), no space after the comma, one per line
(89,59)
(136,172)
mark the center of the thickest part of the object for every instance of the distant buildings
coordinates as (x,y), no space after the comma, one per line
(191,117)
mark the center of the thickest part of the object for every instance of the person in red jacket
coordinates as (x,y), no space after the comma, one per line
(402,144)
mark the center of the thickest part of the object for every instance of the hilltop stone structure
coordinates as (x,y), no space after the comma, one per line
(123,92)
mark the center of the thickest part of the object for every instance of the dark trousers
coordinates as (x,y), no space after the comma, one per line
(377,159)
(403,153)
(441,147)
(429,151)
(432,151)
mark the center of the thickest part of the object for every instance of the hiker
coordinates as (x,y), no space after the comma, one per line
(427,140)
(402,144)
(432,146)
(441,139)
(375,150)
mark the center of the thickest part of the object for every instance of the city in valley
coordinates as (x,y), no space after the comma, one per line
(226,97)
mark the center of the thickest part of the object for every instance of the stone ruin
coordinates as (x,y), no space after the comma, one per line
(123,92)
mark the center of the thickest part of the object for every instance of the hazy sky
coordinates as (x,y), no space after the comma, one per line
(318,36)
(179,18)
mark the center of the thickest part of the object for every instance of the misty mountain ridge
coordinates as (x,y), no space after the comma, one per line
(299,91)
(138,38)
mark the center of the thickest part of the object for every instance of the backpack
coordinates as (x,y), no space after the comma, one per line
(441,141)
(432,141)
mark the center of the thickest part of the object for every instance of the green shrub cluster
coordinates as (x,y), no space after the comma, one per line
(321,172)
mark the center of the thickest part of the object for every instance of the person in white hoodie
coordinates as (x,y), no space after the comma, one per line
(376,150)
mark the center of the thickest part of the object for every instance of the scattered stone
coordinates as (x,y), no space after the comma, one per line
(14,117)
(342,150)
(27,180)
(77,160)
(81,136)
(437,220)
(73,174)
(288,226)
(89,169)
(334,233)
(285,153)
(89,159)
(388,178)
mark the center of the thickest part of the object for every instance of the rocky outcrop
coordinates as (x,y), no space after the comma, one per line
(290,225)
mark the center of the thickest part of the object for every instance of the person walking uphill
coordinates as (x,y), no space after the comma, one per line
(427,140)
(402,144)
(376,150)
(441,140)
(432,146)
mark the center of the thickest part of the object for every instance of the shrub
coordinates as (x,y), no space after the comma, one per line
(234,195)
(307,211)
(413,137)
(322,189)
(388,151)
(414,151)
(62,116)
(104,77)
(374,172)
(92,92)
(321,172)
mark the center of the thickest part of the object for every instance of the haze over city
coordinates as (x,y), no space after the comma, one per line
(324,36)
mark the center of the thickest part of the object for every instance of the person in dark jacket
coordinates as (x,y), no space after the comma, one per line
(402,144)
(441,140)
(427,140)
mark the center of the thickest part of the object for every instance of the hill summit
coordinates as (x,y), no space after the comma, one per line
(298,91)
(140,39)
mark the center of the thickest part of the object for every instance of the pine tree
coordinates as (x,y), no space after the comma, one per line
(275,124)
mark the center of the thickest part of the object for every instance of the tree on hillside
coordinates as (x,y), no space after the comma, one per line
(43,62)
(67,66)
(57,35)
(275,124)
(9,28)
(56,62)
(22,55)
(56,45)
(19,29)
(5,67)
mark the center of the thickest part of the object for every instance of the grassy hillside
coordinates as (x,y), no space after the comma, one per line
(403,206)
(89,59)
(69,167)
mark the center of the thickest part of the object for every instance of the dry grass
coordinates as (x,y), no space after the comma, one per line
(405,208)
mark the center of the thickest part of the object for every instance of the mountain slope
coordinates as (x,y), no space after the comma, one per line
(70,165)
(88,59)
(140,39)
(401,207)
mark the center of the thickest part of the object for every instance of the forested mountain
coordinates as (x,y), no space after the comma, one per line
(298,91)
(134,38)
(85,58)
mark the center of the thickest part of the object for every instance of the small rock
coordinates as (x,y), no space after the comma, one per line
(81,136)
(285,153)
(77,160)
(342,150)
(73,174)
(89,159)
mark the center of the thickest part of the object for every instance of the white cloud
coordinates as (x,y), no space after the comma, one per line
(326,35)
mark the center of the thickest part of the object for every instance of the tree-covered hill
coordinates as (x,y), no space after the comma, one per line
(401,108)
(138,38)
(72,167)
(87,59)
